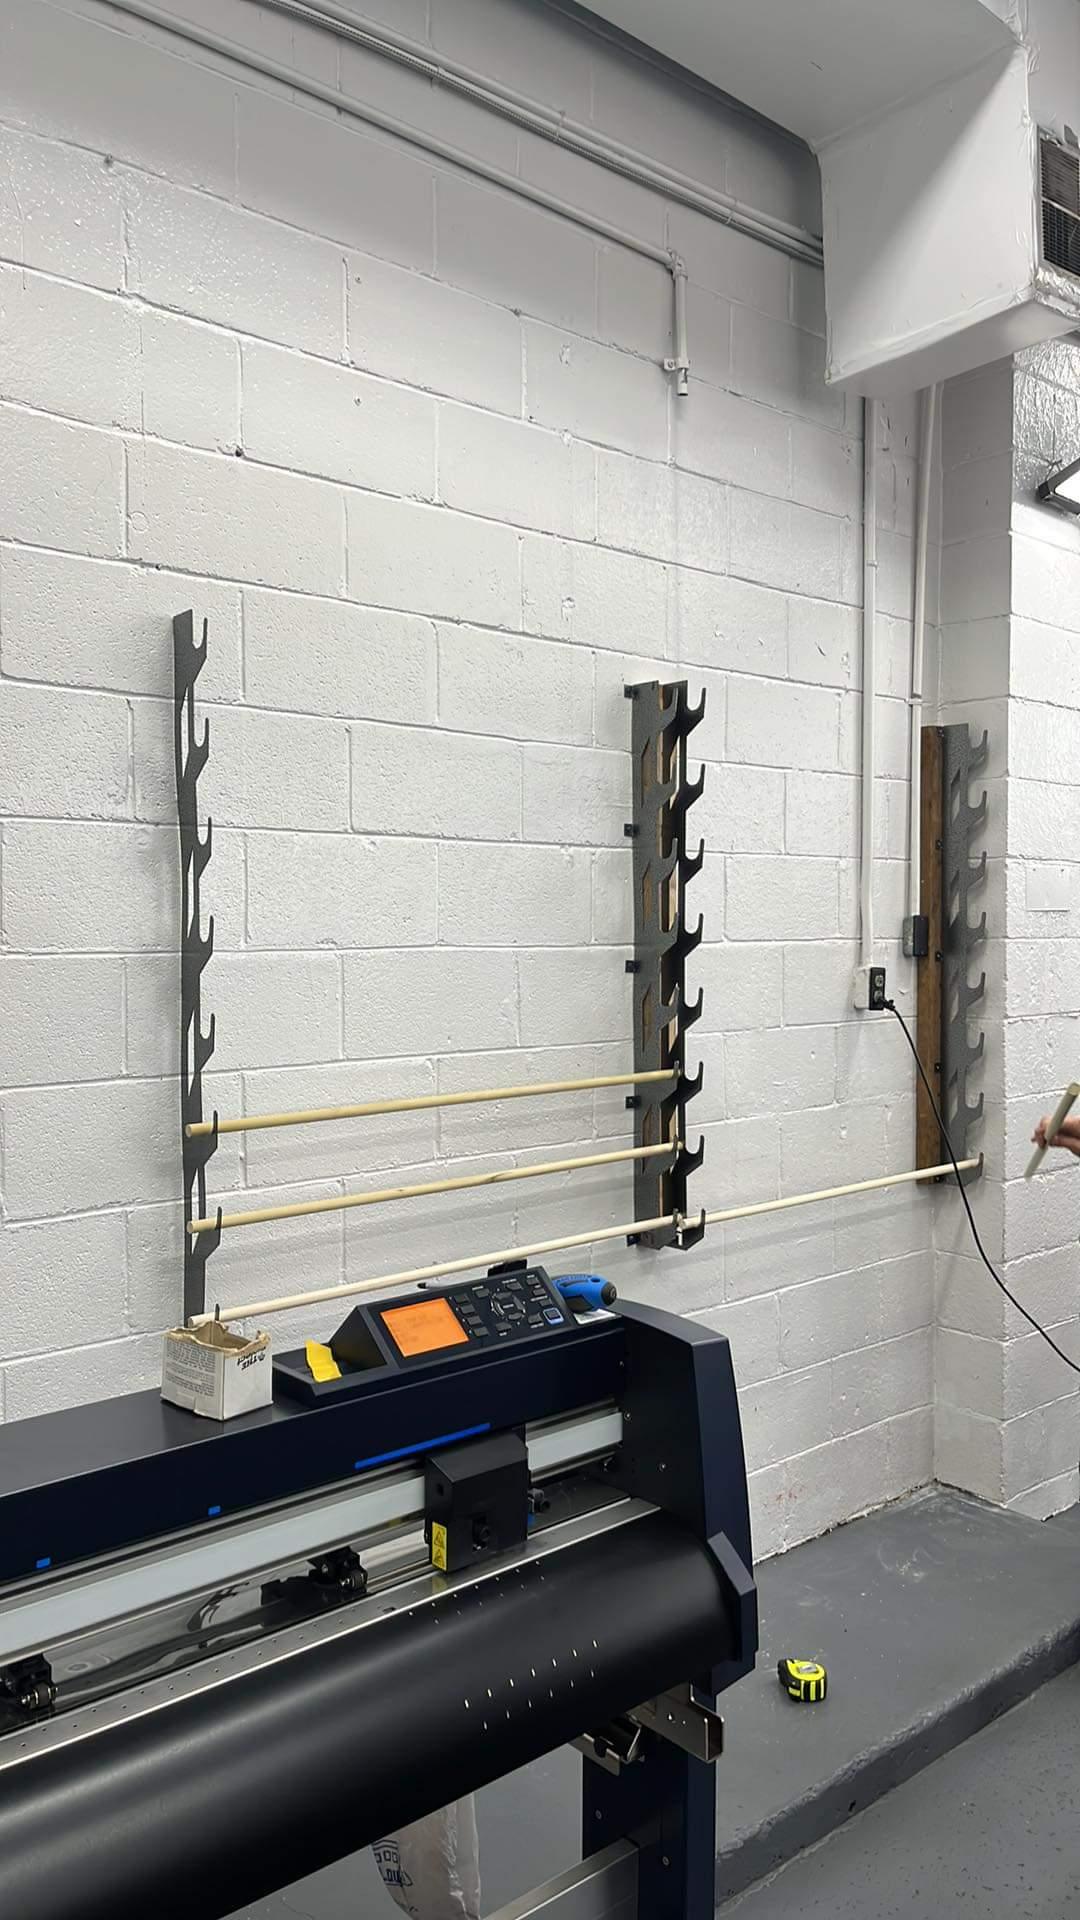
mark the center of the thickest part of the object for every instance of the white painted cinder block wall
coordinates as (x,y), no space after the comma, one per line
(404,441)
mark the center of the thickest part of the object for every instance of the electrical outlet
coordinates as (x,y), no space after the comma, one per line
(869,989)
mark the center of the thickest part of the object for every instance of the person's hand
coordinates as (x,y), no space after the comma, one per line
(1068,1138)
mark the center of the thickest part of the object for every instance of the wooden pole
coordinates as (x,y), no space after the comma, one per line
(629,1229)
(256,1308)
(834,1193)
(305,1116)
(298,1208)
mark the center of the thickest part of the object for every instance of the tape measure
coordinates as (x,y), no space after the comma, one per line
(803,1679)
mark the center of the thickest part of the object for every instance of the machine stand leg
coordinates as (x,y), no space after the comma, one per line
(666,1804)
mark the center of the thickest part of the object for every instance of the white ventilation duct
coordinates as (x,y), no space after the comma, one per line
(942,127)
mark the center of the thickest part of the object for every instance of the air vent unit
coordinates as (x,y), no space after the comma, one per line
(1060,169)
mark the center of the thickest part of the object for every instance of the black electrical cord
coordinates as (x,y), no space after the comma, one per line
(891,1007)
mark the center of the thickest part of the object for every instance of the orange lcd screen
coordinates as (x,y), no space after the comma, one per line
(425,1328)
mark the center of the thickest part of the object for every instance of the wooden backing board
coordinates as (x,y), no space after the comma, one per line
(928,1009)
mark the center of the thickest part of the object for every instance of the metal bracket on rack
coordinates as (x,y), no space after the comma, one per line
(662,720)
(196,1045)
(960,875)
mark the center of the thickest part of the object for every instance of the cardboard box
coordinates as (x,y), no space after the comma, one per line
(215,1372)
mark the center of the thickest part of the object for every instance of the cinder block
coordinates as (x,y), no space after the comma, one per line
(759,1253)
(742,1166)
(77,1149)
(63,1019)
(975,581)
(1034,1375)
(768,1510)
(606,396)
(532,261)
(1040,1215)
(190,382)
(1050,1497)
(872,1058)
(350,1150)
(414,329)
(822,814)
(892,724)
(741,810)
(118,95)
(968,1452)
(574,999)
(783,366)
(708,325)
(64,485)
(69,350)
(331,176)
(453,786)
(726,623)
(495,896)
(702,510)
(827,1318)
(275,1009)
(429,560)
(786,1416)
(265,769)
(730,263)
(429,1001)
(508,470)
(826,469)
(63,753)
(498,683)
(783,545)
(1045,1284)
(233,519)
(612,898)
(327,657)
(878,1383)
(514,1125)
(909,1452)
(753,1328)
(741,985)
(772,723)
(969,1371)
(635,504)
(731,438)
(1037,661)
(42,186)
(74,1377)
(896,1218)
(368,77)
(832,1483)
(634,299)
(1040,1445)
(331,421)
(576,797)
(977,415)
(780,899)
(594,596)
(966,1298)
(818,983)
(62,1283)
(828,1146)
(132,904)
(219,262)
(116,621)
(778,1071)
(337,890)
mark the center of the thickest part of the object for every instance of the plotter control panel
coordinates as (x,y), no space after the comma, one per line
(438,1328)
(511,1307)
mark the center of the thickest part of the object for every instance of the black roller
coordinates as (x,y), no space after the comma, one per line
(222,1798)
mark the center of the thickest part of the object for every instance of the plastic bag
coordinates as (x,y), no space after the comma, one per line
(431,1870)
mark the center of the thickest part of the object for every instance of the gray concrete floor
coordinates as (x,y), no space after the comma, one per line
(993,1830)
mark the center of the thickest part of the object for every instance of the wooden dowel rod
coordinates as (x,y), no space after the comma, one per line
(420,1191)
(255,1309)
(835,1193)
(305,1116)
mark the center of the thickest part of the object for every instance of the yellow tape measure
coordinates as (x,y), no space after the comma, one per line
(803,1679)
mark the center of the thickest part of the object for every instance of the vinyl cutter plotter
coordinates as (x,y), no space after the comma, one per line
(232,1654)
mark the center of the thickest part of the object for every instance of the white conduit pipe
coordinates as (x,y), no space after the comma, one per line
(868,755)
(551,124)
(412,1275)
(918,646)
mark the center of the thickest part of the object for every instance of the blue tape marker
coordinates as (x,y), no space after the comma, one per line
(421,1446)
(40,1565)
(212,1512)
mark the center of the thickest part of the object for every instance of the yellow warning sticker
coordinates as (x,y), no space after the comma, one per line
(321,1361)
(438,1546)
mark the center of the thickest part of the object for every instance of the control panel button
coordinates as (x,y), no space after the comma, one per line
(554,1315)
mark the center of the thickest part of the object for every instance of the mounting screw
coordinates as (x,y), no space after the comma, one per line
(633,966)
(629,692)
(939,956)
(630,830)
(633,1102)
